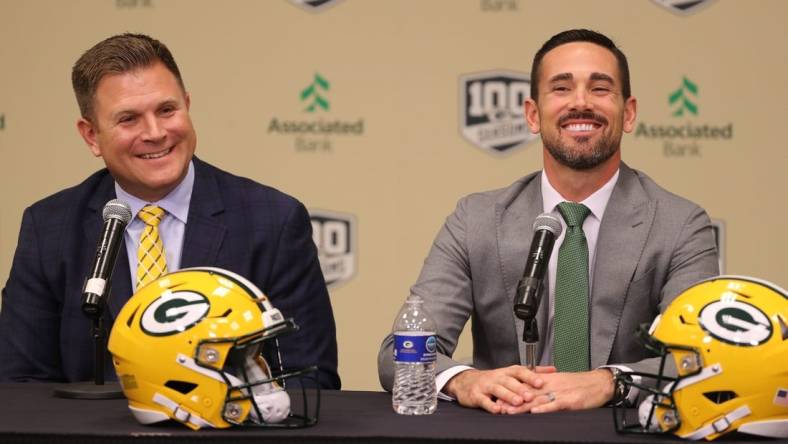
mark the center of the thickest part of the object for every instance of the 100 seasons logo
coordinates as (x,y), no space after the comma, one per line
(684,139)
(317,133)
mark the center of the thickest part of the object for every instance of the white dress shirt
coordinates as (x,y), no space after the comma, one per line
(171,228)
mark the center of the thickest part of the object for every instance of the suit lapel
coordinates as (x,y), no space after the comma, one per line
(205,229)
(622,236)
(515,213)
(121,283)
(92,228)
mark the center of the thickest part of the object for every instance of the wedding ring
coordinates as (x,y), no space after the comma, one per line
(551,396)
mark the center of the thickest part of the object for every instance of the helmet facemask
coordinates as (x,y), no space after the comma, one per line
(256,391)
(657,413)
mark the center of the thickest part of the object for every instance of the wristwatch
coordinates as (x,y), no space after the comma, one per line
(620,388)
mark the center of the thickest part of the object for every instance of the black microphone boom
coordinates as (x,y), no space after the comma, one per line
(117,215)
(547,228)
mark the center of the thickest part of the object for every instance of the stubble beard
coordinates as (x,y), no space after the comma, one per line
(581,156)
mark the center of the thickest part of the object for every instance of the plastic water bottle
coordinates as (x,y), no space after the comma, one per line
(414,359)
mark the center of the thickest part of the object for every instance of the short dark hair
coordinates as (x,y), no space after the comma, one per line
(580,35)
(116,55)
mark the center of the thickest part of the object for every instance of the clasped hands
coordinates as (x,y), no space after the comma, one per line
(516,389)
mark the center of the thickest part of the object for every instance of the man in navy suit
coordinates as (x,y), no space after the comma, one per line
(135,116)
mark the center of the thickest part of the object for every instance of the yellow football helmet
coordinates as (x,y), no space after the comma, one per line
(189,346)
(728,338)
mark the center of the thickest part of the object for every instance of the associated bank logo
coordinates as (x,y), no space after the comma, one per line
(682,99)
(684,138)
(683,7)
(334,235)
(491,110)
(315,5)
(313,127)
(313,94)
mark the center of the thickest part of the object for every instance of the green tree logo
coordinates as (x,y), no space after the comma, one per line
(683,98)
(312,94)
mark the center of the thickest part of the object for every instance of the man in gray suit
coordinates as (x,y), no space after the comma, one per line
(643,246)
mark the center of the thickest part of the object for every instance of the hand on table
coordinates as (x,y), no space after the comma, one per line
(564,391)
(492,390)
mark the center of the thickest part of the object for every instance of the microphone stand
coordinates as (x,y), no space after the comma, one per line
(527,312)
(96,389)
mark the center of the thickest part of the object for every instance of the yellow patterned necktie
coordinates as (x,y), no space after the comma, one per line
(151,262)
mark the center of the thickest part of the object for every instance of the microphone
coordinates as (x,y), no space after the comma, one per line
(547,227)
(116,214)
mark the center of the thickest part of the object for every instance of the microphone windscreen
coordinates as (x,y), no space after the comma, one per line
(117,209)
(549,222)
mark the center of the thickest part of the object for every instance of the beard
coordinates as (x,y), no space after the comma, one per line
(583,155)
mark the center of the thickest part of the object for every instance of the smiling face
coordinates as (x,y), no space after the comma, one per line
(142,130)
(580,111)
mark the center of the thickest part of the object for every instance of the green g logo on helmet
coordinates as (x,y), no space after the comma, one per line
(174,312)
(736,322)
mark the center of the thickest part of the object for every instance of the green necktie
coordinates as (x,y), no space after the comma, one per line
(570,339)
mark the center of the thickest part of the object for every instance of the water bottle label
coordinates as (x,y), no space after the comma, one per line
(415,347)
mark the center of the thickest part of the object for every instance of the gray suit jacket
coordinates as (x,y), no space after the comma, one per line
(651,246)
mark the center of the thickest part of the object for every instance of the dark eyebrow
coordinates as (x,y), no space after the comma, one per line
(600,76)
(561,77)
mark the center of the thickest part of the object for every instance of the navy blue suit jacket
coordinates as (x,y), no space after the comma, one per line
(234,223)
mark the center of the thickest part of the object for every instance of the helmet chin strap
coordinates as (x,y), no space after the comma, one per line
(180,413)
(719,425)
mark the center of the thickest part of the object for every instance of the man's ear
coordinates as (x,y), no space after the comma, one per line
(532,116)
(88,132)
(188,99)
(630,114)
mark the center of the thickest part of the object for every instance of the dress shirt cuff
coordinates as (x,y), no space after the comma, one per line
(632,395)
(443,377)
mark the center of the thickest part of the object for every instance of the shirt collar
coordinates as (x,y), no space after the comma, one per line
(596,202)
(175,203)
